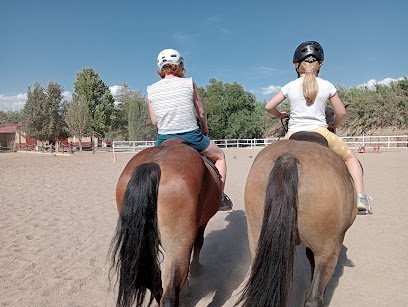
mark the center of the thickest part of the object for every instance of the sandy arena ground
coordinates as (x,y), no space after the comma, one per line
(58,215)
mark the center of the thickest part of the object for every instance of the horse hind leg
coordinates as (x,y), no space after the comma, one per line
(174,275)
(196,268)
(323,271)
(310,257)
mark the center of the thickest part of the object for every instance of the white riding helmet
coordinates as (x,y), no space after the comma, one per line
(169,56)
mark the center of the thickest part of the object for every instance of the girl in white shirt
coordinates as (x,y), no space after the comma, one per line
(308,96)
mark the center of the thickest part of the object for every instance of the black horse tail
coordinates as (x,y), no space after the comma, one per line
(135,246)
(272,270)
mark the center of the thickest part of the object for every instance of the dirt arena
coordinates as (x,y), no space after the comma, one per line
(58,215)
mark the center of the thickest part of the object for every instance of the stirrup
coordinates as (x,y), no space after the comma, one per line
(364,204)
(226,203)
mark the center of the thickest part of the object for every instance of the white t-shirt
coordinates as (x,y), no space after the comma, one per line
(304,116)
(172,100)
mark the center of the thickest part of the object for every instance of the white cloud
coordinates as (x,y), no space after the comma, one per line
(116,90)
(12,103)
(271,89)
(370,84)
(67,95)
(17,102)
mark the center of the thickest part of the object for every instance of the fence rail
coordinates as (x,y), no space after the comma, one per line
(356,142)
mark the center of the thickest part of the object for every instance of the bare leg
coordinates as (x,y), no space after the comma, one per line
(356,172)
(217,156)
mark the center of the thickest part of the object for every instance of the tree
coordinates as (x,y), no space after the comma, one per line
(10,118)
(119,129)
(34,116)
(139,125)
(42,114)
(54,108)
(78,118)
(93,90)
(232,111)
(374,109)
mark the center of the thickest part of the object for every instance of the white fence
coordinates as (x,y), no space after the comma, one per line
(130,146)
(375,143)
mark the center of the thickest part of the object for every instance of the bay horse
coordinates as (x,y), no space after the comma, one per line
(165,197)
(296,192)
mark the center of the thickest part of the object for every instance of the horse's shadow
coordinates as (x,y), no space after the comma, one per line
(302,276)
(225,258)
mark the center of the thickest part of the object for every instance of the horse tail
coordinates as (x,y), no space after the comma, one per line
(272,270)
(135,246)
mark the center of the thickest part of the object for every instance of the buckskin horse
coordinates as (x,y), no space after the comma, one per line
(296,192)
(165,197)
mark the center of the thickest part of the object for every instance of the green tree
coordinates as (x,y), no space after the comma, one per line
(139,125)
(54,108)
(119,129)
(232,111)
(374,109)
(34,113)
(10,118)
(42,114)
(78,118)
(93,90)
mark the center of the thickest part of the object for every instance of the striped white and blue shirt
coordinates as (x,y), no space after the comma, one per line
(172,101)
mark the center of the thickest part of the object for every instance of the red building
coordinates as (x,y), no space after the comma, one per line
(13,138)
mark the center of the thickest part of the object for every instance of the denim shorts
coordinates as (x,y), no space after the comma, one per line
(196,138)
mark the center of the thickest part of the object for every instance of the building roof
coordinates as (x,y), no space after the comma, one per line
(10,129)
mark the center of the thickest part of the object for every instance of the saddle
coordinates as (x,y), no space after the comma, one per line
(309,137)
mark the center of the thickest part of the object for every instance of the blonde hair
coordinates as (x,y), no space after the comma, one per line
(172,69)
(309,86)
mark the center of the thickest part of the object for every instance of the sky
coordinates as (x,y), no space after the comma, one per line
(249,42)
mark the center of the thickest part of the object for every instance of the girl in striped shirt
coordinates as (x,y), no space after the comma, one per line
(177,111)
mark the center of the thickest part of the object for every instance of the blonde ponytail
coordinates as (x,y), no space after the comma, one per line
(309,86)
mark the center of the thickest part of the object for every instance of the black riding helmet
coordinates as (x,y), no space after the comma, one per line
(309,51)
